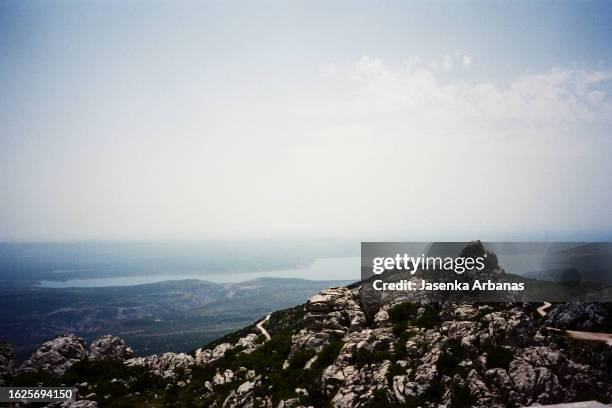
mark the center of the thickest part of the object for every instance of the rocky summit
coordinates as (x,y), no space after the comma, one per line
(331,353)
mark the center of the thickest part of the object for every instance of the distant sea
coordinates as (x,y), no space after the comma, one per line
(322,269)
(99,264)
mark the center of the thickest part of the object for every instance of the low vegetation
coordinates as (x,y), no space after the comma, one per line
(499,357)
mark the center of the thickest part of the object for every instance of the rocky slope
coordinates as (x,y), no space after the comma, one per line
(330,352)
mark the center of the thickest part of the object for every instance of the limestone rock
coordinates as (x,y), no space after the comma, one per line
(56,356)
(206,357)
(164,365)
(79,404)
(111,347)
(579,316)
(225,377)
(242,397)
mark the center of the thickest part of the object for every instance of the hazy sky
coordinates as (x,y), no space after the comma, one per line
(418,120)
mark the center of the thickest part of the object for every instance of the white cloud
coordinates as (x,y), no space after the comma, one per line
(366,67)
(464,59)
(407,144)
(447,62)
(330,70)
(551,98)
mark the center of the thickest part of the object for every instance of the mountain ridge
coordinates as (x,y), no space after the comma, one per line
(346,348)
(326,353)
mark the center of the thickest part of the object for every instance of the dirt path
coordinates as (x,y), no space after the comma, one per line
(262,329)
(582,335)
(542,309)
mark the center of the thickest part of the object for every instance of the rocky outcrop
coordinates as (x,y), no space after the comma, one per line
(241,396)
(580,316)
(206,357)
(543,375)
(7,361)
(165,365)
(466,360)
(56,356)
(350,380)
(359,385)
(512,327)
(60,353)
(246,344)
(224,377)
(329,315)
(334,309)
(110,347)
(79,404)
(475,355)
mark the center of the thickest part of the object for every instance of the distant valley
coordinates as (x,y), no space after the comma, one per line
(166,316)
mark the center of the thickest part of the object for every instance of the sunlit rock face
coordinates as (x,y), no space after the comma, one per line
(56,356)
(165,365)
(110,347)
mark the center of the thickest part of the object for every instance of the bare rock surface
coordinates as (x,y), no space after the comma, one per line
(56,356)
(79,404)
(579,316)
(246,344)
(241,397)
(205,357)
(111,347)
(476,355)
(164,365)
(329,315)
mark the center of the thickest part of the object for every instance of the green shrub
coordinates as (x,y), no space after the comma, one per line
(394,370)
(100,373)
(300,358)
(364,357)
(587,395)
(462,397)
(429,319)
(400,350)
(401,353)
(402,315)
(32,379)
(499,357)
(403,312)
(448,364)
(456,349)
(328,355)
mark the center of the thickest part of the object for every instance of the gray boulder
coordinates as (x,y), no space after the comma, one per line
(110,347)
(56,356)
(579,316)
(165,365)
